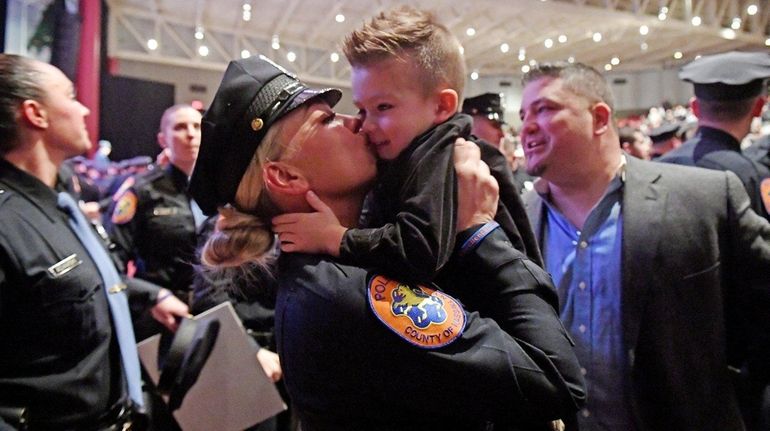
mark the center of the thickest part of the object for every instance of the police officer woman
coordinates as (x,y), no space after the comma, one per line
(359,349)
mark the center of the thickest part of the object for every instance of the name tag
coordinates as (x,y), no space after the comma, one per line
(164,211)
(64,266)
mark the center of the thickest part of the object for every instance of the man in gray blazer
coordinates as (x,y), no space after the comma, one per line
(662,270)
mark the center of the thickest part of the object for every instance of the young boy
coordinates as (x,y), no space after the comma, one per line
(408,76)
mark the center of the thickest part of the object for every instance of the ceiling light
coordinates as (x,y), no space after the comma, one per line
(334,57)
(615,61)
(752,9)
(245,53)
(462,49)
(525,68)
(644,46)
(607,67)
(470,31)
(727,33)
(736,24)
(767,41)
(291,56)
(571,59)
(662,16)
(664,9)
(696,21)
(548,43)
(643,30)
(474,75)
(247,12)
(597,37)
(562,38)
(504,47)
(678,55)
(247,7)
(532,62)
(276,43)
(522,54)
(152,44)
(339,18)
(199,33)
(203,50)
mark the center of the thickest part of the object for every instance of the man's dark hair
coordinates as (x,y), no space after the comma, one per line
(726,110)
(579,78)
(19,81)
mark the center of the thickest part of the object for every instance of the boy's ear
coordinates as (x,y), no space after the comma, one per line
(448,102)
(33,113)
(281,178)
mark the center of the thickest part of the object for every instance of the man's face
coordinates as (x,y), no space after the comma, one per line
(391,105)
(328,148)
(641,146)
(557,129)
(488,130)
(181,134)
(66,133)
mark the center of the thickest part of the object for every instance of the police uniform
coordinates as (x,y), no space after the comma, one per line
(725,77)
(354,357)
(486,105)
(59,360)
(152,222)
(660,135)
(362,350)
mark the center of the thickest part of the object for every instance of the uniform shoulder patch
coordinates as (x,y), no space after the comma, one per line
(420,315)
(764,189)
(125,208)
(124,186)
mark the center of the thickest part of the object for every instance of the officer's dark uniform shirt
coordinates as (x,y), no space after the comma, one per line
(152,223)
(58,357)
(681,155)
(716,149)
(412,213)
(347,367)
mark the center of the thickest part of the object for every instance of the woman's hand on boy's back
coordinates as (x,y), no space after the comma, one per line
(315,232)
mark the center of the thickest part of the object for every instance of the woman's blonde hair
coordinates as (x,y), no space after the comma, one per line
(243,236)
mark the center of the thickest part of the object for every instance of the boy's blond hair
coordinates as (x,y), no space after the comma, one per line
(413,36)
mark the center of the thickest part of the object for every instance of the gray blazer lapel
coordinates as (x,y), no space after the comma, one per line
(533,204)
(644,201)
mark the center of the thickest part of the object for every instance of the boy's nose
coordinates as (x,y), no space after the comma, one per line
(351,122)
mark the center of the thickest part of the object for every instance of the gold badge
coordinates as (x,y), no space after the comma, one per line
(256,124)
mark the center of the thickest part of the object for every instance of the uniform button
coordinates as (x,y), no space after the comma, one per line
(583,244)
(585,413)
(582,285)
(582,328)
(583,371)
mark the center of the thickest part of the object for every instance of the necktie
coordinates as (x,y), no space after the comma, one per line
(198,215)
(116,298)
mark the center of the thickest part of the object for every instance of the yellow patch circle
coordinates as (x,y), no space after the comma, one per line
(425,317)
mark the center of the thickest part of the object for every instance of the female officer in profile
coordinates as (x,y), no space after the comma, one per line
(359,349)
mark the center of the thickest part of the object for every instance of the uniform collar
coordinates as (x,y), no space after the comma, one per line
(178,177)
(30,188)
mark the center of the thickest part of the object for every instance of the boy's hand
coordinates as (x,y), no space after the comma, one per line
(477,189)
(316,232)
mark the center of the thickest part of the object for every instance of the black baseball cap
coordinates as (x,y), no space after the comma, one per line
(255,93)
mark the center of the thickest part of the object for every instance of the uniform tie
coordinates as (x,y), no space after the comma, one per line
(198,215)
(116,298)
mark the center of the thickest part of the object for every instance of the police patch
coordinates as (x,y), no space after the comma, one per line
(125,185)
(125,208)
(764,189)
(422,316)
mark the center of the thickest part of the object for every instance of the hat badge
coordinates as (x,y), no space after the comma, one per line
(256,124)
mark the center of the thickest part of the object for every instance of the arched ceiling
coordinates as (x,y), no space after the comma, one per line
(308,29)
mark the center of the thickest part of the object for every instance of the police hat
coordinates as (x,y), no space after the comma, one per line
(728,76)
(663,133)
(181,358)
(487,104)
(253,95)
